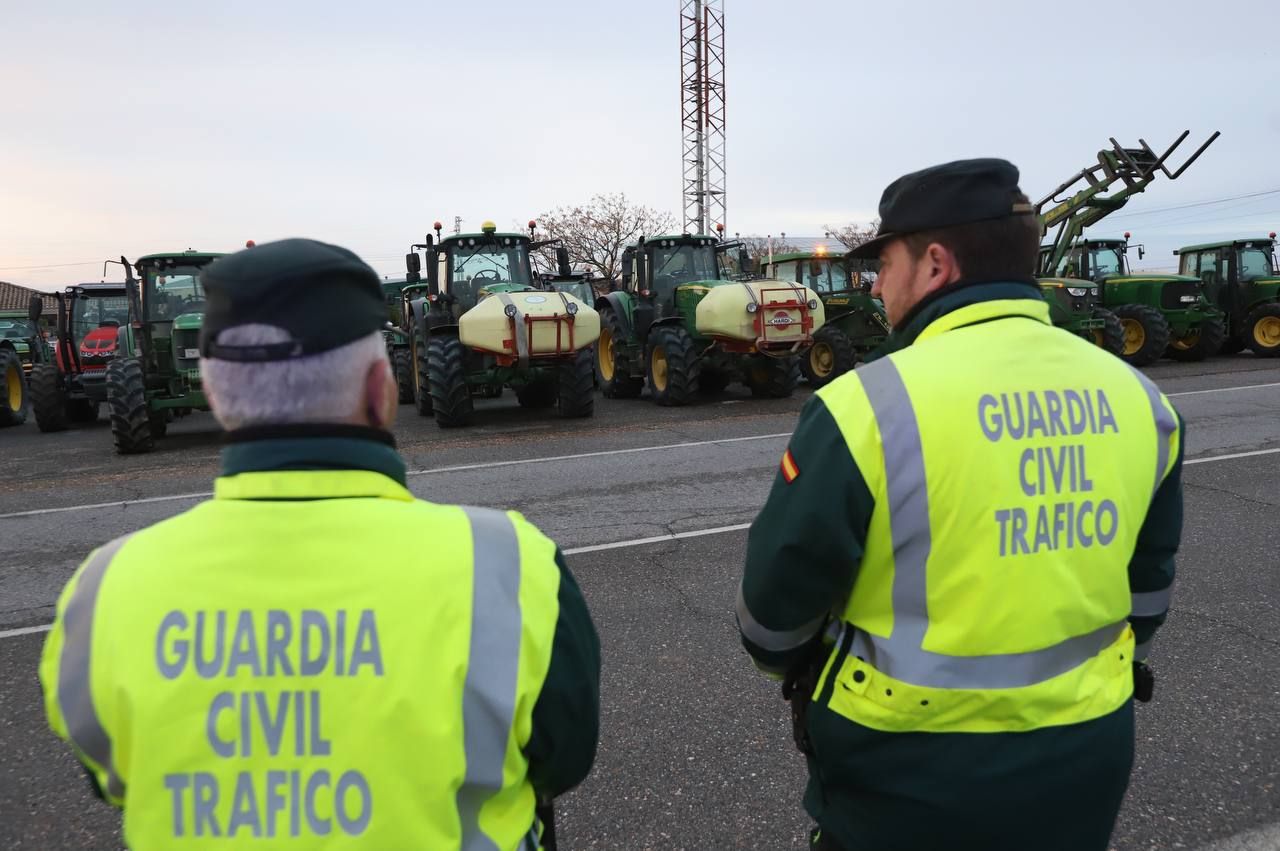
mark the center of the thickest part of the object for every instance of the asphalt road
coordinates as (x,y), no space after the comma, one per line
(695,749)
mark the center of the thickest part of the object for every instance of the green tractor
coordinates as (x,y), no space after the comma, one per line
(72,386)
(1157,313)
(399,351)
(685,321)
(155,375)
(22,349)
(1075,305)
(478,324)
(855,320)
(1242,277)
(1160,313)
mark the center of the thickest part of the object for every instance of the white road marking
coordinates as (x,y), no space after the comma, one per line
(656,539)
(1208,458)
(121,504)
(1224,389)
(26,630)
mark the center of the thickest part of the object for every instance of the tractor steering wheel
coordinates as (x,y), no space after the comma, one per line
(487,275)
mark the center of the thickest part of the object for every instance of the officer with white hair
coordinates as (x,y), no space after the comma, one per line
(314,657)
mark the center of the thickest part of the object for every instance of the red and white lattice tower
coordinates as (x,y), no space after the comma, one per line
(702,113)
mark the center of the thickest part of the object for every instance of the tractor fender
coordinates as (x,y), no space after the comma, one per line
(622,305)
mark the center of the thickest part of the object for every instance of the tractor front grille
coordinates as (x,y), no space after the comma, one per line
(186,344)
(1179,295)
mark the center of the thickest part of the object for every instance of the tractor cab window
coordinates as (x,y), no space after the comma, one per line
(862,274)
(170,292)
(784,271)
(674,265)
(1209,272)
(1255,263)
(1189,264)
(1105,262)
(474,267)
(88,314)
(823,276)
(16,329)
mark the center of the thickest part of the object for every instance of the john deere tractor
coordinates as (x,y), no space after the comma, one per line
(155,375)
(22,349)
(682,322)
(1157,313)
(478,324)
(855,320)
(397,339)
(1242,278)
(72,387)
(1160,313)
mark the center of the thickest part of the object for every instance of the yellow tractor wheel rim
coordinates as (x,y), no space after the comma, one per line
(604,355)
(1100,337)
(1266,331)
(13,385)
(1134,335)
(1187,342)
(658,369)
(822,359)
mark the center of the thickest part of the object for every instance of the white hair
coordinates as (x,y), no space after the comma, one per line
(326,387)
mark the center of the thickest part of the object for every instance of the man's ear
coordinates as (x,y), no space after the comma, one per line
(942,266)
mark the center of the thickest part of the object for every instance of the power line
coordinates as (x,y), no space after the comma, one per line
(1194,204)
(48,266)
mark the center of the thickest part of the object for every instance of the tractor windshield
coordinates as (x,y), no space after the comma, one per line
(16,329)
(680,264)
(90,313)
(1105,262)
(823,276)
(1255,263)
(472,267)
(172,291)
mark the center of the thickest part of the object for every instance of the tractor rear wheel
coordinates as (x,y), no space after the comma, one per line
(82,411)
(773,378)
(673,366)
(1111,335)
(1146,334)
(447,378)
(613,363)
(421,386)
(402,362)
(48,399)
(13,390)
(1263,331)
(577,386)
(831,356)
(127,402)
(1203,342)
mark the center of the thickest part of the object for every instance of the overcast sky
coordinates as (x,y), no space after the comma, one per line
(131,127)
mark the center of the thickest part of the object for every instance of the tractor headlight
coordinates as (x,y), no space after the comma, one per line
(572,308)
(1077,291)
(753,307)
(813,304)
(510,310)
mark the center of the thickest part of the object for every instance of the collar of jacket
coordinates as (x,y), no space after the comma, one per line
(310,461)
(945,308)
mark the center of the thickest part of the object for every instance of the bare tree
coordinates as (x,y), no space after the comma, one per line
(596,232)
(758,246)
(852,235)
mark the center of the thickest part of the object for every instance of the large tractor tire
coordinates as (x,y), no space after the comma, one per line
(1111,335)
(48,398)
(402,363)
(447,377)
(537,394)
(1204,342)
(773,378)
(831,356)
(127,402)
(1146,334)
(613,365)
(712,381)
(421,385)
(1262,331)
(14,400)
(82,411)
(577,386)
(673,365)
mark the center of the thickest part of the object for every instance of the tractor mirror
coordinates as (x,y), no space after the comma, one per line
(640,278)
(413,266)
(1141,252)
(562,261)
(815,268)
(35,308)
(433,271)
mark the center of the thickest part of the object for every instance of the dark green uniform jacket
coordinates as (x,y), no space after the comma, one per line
(566,718)
(1053,788)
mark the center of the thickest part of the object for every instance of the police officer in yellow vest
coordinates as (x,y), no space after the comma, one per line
(313,657)
(968,544)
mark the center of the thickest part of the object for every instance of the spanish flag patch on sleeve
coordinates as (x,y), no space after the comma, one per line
(790,470)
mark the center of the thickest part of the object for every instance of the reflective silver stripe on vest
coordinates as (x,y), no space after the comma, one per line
(493,665)
(902,655)
(1150,603)
(522,337)
(75,692)
(774,640)
(1166,425)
